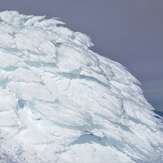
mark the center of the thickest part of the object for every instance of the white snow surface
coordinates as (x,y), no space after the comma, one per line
(60,102)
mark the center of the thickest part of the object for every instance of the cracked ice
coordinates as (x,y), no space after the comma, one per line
(60,102)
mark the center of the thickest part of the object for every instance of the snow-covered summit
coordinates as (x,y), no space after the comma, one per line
(60,102)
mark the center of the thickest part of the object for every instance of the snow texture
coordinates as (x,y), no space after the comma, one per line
(60,102)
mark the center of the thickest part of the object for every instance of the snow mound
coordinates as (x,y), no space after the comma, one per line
(60,102)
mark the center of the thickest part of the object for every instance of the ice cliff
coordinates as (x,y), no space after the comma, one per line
(60,102)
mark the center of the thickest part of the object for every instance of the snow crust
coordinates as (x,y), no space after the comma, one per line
(60,102)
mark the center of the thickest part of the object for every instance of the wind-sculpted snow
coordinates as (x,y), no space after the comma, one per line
(60,102)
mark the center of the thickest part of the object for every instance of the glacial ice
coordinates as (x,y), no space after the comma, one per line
(60,102)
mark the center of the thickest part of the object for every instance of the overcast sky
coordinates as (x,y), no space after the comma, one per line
(128,31)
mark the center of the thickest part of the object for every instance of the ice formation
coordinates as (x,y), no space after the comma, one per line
(60,102)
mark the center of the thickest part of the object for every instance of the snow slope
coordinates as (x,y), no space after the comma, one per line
(60,102)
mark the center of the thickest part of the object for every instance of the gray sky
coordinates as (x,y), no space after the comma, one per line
(128,31)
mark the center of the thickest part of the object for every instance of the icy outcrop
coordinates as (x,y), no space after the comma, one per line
(60,102)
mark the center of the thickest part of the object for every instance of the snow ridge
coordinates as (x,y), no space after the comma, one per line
(60,102)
